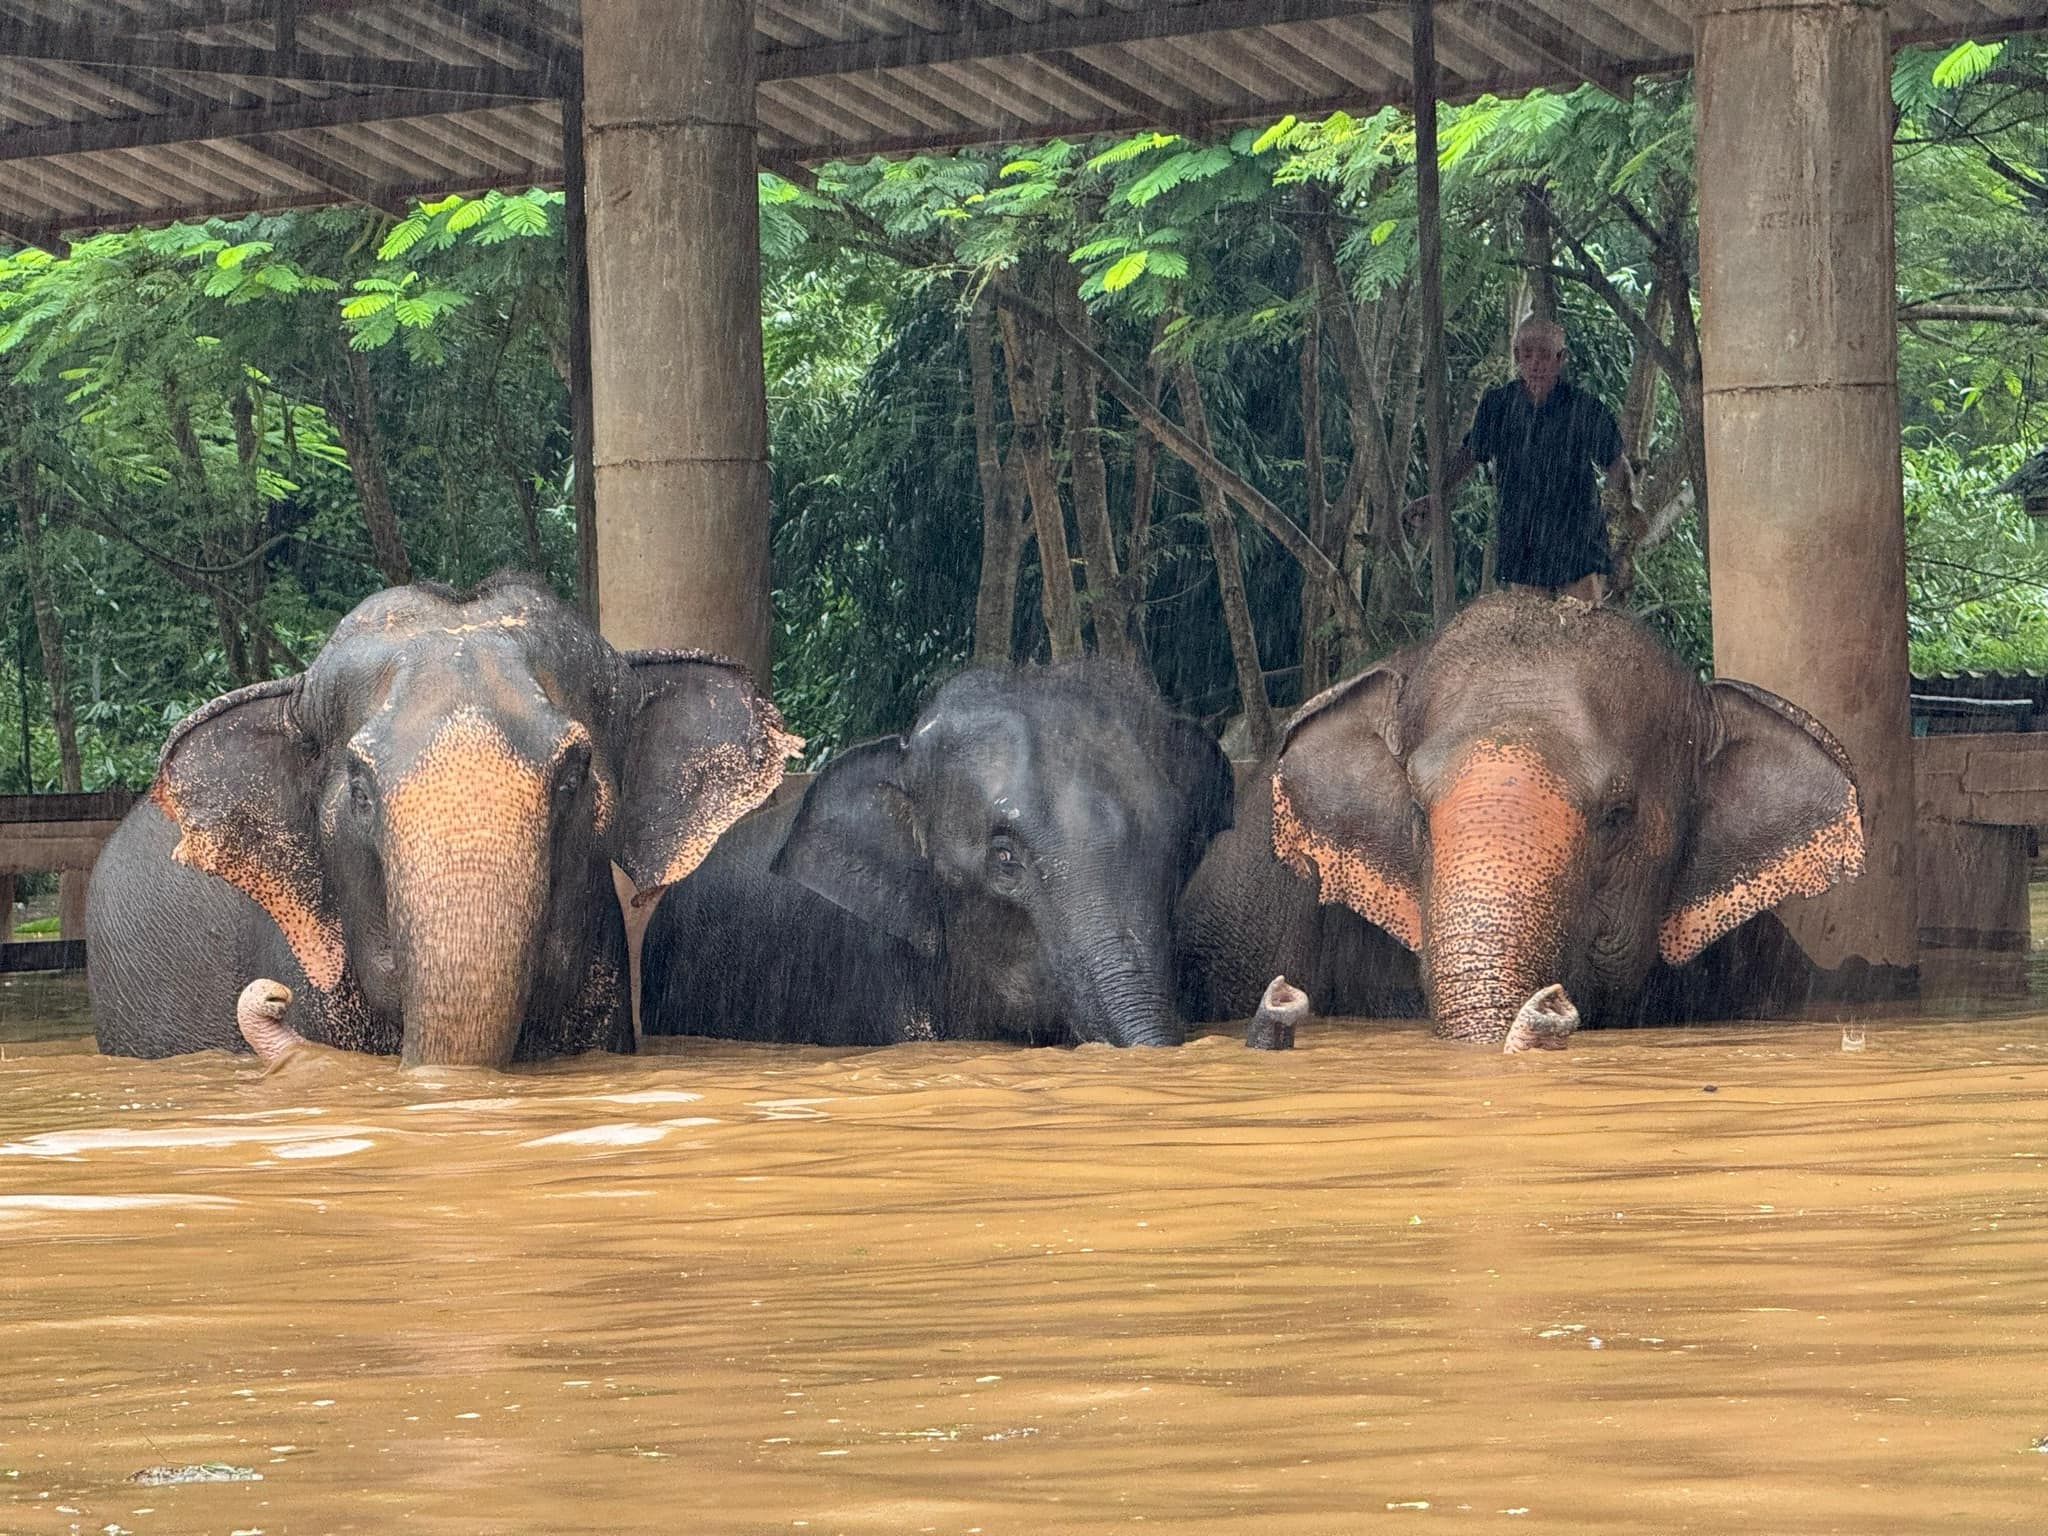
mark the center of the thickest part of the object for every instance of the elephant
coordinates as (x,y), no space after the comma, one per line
(415,835)
(1005,870)
(1542,796)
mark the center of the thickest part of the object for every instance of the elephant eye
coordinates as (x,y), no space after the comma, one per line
(1005,859)
(1617,819)
(358,787)
(570,778)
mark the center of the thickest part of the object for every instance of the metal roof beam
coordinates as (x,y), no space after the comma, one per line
(1058,33)
(340,179)
(1530,32)
(508,21)
(97,45)
(91,134)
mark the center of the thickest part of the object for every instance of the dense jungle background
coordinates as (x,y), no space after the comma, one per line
(1183,375)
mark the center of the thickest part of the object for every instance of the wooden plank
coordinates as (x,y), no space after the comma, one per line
(1995,779)
(101,805)
(71,846)
(21,955)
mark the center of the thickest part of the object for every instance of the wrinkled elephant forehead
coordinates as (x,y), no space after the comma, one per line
(396,696)
(1570,754)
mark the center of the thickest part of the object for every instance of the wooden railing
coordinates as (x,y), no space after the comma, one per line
(60,834)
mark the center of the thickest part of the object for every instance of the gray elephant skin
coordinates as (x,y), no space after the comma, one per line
(1542,795)
(416,834)
(1005,870)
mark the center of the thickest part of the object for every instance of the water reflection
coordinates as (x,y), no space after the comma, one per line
(1664,1280)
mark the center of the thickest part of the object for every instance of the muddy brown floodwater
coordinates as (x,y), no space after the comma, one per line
(1714,1280)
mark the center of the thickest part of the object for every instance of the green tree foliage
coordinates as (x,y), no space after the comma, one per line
(233,431)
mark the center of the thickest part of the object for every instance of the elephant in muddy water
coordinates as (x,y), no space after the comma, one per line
(415,835)
(1005,870)
(1542,795)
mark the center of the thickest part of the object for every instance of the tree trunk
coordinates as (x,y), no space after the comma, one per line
(1237,610)
(1690,388)
(1002,530)
(1639,403)
(1443,575)
(1538,299)
(529,523)
(23,623)
(355,423)
(1144,475)
(246,411)
(199,508)
(1367,535)
(1315,599)
(1028,395)
(1261,507)
(49,622)
(1106,608)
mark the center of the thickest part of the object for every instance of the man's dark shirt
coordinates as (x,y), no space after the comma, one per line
(1552,530)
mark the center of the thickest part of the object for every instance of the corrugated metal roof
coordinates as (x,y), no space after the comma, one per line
(130,111)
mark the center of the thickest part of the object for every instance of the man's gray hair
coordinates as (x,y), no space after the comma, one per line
(1536,325)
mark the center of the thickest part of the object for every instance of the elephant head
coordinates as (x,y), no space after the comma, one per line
(429,812)
(1544,795)
(1029,836)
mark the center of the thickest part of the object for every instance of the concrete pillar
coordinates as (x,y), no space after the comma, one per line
(1800,355)
(681,434)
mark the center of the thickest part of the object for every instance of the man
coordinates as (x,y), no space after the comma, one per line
(1543,438)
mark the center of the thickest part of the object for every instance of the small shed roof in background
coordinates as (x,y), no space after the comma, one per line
(120,112)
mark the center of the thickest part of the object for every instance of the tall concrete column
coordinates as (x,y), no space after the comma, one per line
(1800,353)
(680,440)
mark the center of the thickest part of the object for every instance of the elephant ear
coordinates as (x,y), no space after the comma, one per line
(1779,816)
(1198,769)
(703,748)
(238,777)
(855,842)
(1341,803)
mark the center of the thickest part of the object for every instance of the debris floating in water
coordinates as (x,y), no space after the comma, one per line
(201,1472)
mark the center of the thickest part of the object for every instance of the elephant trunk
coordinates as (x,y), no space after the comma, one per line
(1121,992)
(467,879)
(1506,841)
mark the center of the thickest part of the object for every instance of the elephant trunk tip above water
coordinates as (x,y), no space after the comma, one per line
(1545,797)
(417,833)
(259,1016)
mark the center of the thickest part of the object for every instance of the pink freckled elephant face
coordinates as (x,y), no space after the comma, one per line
(430,813)
(1545,796)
